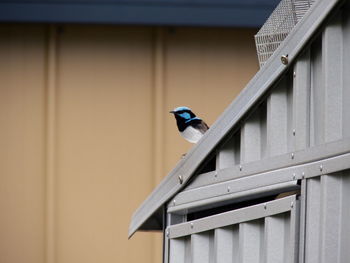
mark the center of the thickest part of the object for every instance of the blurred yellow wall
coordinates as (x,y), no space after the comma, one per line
(86,135)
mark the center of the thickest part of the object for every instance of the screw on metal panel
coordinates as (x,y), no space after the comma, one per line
(180,179)
(240,167)
(293,132)
(294,176)
(191,225)
(321,167)
(292,155)
(292,204)
(284,59)
(303,175)
(265,206)
(228,189)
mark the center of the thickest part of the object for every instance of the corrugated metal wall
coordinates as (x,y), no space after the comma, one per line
(307,108)
(261,233)
(79,105)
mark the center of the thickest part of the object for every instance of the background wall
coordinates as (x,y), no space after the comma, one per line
(85,133)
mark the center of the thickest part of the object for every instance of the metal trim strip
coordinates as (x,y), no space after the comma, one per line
(212,192)
(233,217)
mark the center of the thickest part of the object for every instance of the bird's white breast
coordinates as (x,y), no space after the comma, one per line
(191,134)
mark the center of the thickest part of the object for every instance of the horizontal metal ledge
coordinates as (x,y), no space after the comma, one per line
(229,198)
(233,217)
(308,170)
(273,163)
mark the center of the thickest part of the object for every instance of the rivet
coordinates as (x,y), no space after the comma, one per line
(265,206)
(321,167)
(303,175)
(292,155)
(284,59)
(174,202)
(191,225)
(293,132)
(240,167)
(228,189)
(180,179)
(294,176)
(292,204)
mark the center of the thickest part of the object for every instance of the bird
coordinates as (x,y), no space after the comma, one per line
(189,125)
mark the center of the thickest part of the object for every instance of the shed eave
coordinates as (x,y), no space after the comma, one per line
(254,90)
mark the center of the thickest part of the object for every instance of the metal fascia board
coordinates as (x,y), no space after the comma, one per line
(233,217)
(216,192)
(307,155)
(255,89)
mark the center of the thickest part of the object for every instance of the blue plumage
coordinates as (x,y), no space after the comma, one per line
(189,125)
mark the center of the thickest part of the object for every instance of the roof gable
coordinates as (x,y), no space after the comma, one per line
(231,117)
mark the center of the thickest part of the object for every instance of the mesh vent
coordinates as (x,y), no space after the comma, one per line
(282,20)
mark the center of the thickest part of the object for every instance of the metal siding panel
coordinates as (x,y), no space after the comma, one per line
(301,102)
(346,70)
(177,250)
(275,239)
(251,139)
(201,246)
(345,222)
(330,216)
(332,58)
(250,241)
(229,154)
(312,237)
(317,95)
(225,244)
(277,107)
(302,220)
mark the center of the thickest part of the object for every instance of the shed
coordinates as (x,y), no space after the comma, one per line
(270,180)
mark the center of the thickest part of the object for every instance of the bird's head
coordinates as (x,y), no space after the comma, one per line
(183,113)
(184,116)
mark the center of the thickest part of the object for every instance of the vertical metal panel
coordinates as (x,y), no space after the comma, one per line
(252,138)
(275,239)
(202,246)
(317,95)
(250,241)
(277,119)
(302,219)
(346,70)
(312,235)
(229,154)
(330,215)
(226,245)
(177,251)
(345,222)
(332,58)
(301,102)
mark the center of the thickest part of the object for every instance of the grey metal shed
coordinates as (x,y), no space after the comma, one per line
(270,180)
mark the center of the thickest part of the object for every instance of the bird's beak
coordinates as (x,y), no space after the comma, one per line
(172,111)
